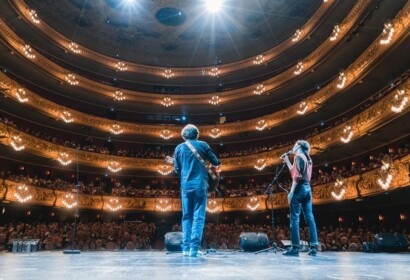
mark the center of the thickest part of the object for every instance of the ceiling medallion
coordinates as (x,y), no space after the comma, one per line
(260,164)
(259,60)
(168,73)
(116,129)
(297,35)
(215,133)
(335,33)
(165,169)
(347,134)
(215,100)
(164,205)
(64,158)
(212,206)
(400,101)
(114,166)
(167,101)
(69,201)
(259,89)
(34,17)
(214,72)
(114,204)
(339,185)
(121,66)
(67,117)
(166,134)
(303,107)
(71,79)
(253,203)
(74,47)
(21,95)
(17,143)
(341,80)
(387,34)
(118,95)
(261,125)
(28,52)
(299,68)
(23,194)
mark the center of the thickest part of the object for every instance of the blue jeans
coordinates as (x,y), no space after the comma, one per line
(193,218)
(302,200)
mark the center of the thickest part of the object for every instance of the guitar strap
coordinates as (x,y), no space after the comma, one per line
(201,160)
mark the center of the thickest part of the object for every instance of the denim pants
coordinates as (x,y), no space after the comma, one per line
(193,218)
(302,200)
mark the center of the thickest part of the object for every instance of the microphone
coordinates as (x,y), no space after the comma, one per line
(287,153)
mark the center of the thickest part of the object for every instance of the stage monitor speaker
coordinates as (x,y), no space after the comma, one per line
(173,241)
(391,242)
(252,241)
(304,245)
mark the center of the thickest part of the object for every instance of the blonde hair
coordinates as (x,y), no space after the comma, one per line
(190,132)
(304,145)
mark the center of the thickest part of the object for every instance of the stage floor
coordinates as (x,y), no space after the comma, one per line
(231,265)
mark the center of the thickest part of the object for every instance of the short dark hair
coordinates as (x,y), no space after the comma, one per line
(190,132)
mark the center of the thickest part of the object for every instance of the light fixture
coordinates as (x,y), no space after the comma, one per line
(114,166)
(28,52)
(297,35)
(386,182)
(387,34)
(261,125)
(214,100)
(166,134)
(260,164)
(341,80)
(339,185)
(167,102)
(21,95)
(259,59)
(347,134)
(119,95)
(23,194)
(303,107)
(213,206)
(214,72)
(213,5)
(253,203)
(64,158)
(163,205)
(17,143)
(121,66)
(74,47)
(335,33)
(69,201)
(71,79)
(260,88)
(114,204)
(34,17)
(400,101)
(165,169)
(299,68)
(215,133)
(66,117)
(168,73)
(116,129)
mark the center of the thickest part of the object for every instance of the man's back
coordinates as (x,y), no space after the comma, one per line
(193,174)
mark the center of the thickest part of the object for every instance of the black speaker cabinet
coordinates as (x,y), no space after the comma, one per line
(252,241)
(391,242)
(173,241)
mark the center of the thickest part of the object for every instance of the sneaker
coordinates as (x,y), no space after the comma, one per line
(312,252)
(195,253)
(294,252)
(185,253)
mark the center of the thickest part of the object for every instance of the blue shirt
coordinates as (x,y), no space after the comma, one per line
(191,171)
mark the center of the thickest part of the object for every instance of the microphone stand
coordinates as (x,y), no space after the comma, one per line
(269,190)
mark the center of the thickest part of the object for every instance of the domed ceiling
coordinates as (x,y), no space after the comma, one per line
(176,33)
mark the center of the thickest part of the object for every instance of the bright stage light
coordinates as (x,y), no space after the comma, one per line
(213,5)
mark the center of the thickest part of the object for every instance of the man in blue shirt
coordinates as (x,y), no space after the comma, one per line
(194,187)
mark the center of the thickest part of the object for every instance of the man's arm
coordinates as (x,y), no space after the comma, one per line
(210,156)
(177,165)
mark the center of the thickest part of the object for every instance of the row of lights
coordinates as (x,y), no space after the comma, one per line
(29,52)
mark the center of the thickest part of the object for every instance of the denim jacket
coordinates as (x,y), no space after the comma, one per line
(192,173)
